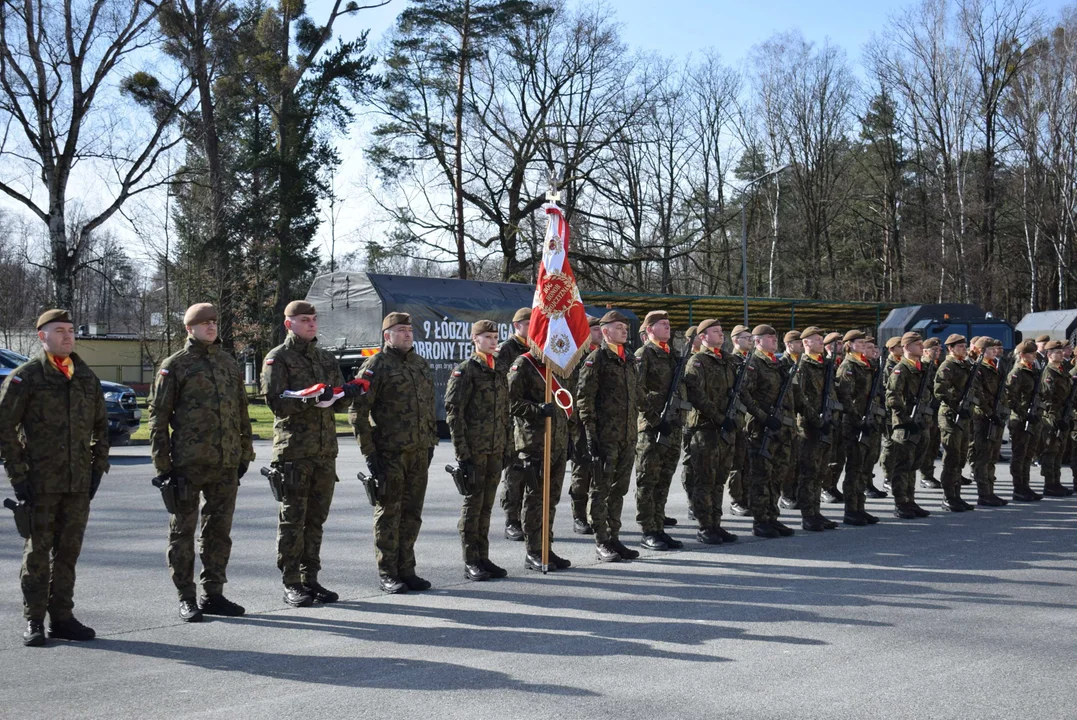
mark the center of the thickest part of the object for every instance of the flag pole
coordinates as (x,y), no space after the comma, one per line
(547,451)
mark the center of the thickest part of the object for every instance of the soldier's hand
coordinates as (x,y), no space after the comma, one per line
(664,428)
(594,450)
(95,482)
(547,409)
(772,423)
(243,466)
(729,425)
(23,491)
(327,394)
(356,387)
(373,464)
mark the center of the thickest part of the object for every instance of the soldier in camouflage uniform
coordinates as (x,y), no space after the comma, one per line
(814,430)
(906,393)
(713,426)
(875,444)
(54,436)
(527,400)
(1056,393)
(512,494)
(200,430)
(836,459)
(794,349)
(858,433)
(1022,397)
(398,448)
(656,462)
(771,424)
(608,404)
(304,438)
(933,433)
(952,381)
(894,354)
(695,342)
(477,410)
(740,471)
(580,487)
(988,422)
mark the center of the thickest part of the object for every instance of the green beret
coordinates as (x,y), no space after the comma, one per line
(299,307)
(51,316)
(199,313)
(482,326)
(613,316)
(395,318)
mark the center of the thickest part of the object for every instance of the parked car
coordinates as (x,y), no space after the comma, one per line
(124,415)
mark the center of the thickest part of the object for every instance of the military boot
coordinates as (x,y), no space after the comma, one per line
(514,532)
(874,493)
(783,530)
(737,509)
(905,511)
(828,524)
(1054,490)
(872,520)
(653,541)
(475,572)
(832,496)
(624,552)
(415,583)
(35,633)
(297,596)
(219,605)
(919,511)
(582,527)
(671,542)
(930,483)
(496,571)
(320,594)
(765,530)
(727,537)
(560,562)
(1023,493)
(786,503)
(71,629)
(812,523)
(669,522)
(607,553)
(391,585)
(853,517)
(708,536)
(189,610)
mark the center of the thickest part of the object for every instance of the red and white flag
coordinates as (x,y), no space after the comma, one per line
(313,392)
(559,333)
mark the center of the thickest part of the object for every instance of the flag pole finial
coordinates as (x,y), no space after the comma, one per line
(553,195)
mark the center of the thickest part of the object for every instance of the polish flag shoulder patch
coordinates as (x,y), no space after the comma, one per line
(897,371)
(456,373)
(589,363)
(16,379)
(269,361)
(368,372)
(164,371)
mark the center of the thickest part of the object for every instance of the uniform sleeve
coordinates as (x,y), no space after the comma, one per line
(457,395)
(519,404)
(652,401)
(586,392)
(845,387)
(274,382)
(12,408)
(696,383)
(747,396)
(359,412)
(895,396)
(944,385)
(99,446)
(336,379)
(246,433)
(161,404)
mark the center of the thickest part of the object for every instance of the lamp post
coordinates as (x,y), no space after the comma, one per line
(744,235)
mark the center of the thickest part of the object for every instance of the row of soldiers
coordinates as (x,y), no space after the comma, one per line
(778,431)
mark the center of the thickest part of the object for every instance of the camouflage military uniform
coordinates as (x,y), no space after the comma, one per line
(527,393)
(886,457)
(199,393)
(54,435)
(608,407)
(813,462)
(986,442)
(580,487)
(1056,389)
(932,432)
(1020,388)
(404,432)
(477,410)
(789,475)
(761,389)
(306,436)
(512,493)
(951,381)
(855,377)
(907,439)
(655,463)
(708,379)
(740,471)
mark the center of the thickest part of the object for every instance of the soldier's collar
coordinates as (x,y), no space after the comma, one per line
(484,359)
(299,343)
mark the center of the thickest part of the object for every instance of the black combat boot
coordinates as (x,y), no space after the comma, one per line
(219,605)
(560,562)
(669,522)
(320,594)
(874,493)
(765,530)
(189,610)
(582,527)
(496,571)
(624,552)
(832,496)
(297,596)
(1054,490)
(671,542)
(415,583)
(930,483)
(708,536)
(783,530)
(853,517)
(905,511)
(606,552)
(737,509)
(653,541)
(872,520)
(786,503)
(35,633)
(727,537)
(812,523)
(475,572)
(70,629)
(391,585)
(919,511)
(513,531)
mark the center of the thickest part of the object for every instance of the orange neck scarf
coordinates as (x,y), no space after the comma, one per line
(664,346)
(717,352)
(488,359)
(64,365)
(619,349)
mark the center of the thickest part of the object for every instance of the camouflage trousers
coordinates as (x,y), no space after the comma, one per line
(709,460)
(858,465)
(533,475)
(906,449)
(813,469)
(512,490)
(655,466)
(740,472)
(789,474)
(688,471)
(1023,446)
(766,473)
(399,512)
(302,514)
(216,488)
(474,525)
(886,455)
(836,460)
(50,554)
(609,485)
(931,452)
(984,449)
(580,487)
(955,450)
(1050,456)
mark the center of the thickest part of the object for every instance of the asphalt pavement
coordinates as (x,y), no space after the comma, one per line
(965,615)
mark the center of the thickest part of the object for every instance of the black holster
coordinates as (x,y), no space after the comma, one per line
(370,484)
(280,478)
(173,490)
(24,517)
(462,478)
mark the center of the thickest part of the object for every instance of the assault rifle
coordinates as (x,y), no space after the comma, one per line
(830,404)
(922,406)
(778,411)
(876,407)
(733,404)
(674,404)
(1035,405)
(964,407)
